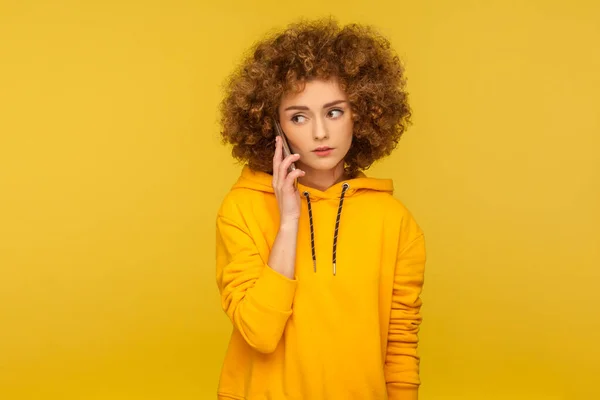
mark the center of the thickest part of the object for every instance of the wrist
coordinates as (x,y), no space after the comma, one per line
(289,225)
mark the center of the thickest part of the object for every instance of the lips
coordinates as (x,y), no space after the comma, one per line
(323,151)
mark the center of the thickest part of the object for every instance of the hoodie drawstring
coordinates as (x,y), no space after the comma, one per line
(337,226)
(312,231)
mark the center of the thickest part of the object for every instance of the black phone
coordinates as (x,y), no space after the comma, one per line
(286,147)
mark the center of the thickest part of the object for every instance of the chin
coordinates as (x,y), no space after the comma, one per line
(324,165)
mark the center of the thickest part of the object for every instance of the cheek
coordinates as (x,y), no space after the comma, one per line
(349,132)
(296,142)
(293,134)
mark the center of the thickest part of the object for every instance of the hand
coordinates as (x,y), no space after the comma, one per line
(288,197)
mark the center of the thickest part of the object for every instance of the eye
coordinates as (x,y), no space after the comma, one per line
(336,113)
(298,119)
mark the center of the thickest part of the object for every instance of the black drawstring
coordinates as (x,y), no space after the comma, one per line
(312,231)
(335,235)
(337,226)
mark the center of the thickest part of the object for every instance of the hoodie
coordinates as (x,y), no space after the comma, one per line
(346,326)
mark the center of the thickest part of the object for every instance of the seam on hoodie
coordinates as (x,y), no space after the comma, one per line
(232,222)
(420,236)
(230,396)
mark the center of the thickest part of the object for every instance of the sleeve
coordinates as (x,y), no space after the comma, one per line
(257,299)
(402,362)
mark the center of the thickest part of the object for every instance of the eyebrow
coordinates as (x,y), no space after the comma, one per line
(304,108)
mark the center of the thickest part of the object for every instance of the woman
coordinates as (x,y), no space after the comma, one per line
(320,268)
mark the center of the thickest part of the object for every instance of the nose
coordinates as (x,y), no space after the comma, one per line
(320,129)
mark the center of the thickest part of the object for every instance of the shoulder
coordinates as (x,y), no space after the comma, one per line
(248,193)
(234,202)
(392,206)
(242,204)
(379,194)
(397,215)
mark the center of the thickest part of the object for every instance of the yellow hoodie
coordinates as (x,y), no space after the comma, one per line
(346,326)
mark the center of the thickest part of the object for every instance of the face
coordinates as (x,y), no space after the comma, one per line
(318,125)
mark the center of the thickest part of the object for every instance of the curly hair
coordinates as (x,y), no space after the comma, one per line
(361,60)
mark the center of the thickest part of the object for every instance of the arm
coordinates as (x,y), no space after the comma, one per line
(257,298)
(402,361)
(283,254)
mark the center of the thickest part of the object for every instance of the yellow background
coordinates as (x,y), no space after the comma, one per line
(111,172)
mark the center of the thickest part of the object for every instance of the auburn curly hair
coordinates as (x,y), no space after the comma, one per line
(362,61)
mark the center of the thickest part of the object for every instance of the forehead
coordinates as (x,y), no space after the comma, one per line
(315,93)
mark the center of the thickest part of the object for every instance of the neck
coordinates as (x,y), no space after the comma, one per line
(322,180)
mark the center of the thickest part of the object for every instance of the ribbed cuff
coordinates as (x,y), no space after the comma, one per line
(397,391)
(274,290)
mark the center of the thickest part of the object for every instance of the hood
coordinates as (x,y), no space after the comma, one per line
(361,184)
(261,181)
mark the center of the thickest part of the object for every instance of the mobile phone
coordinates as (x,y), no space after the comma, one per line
(286,146)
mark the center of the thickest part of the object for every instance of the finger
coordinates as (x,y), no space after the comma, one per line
(277,159)
(285,165)
(290,180)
